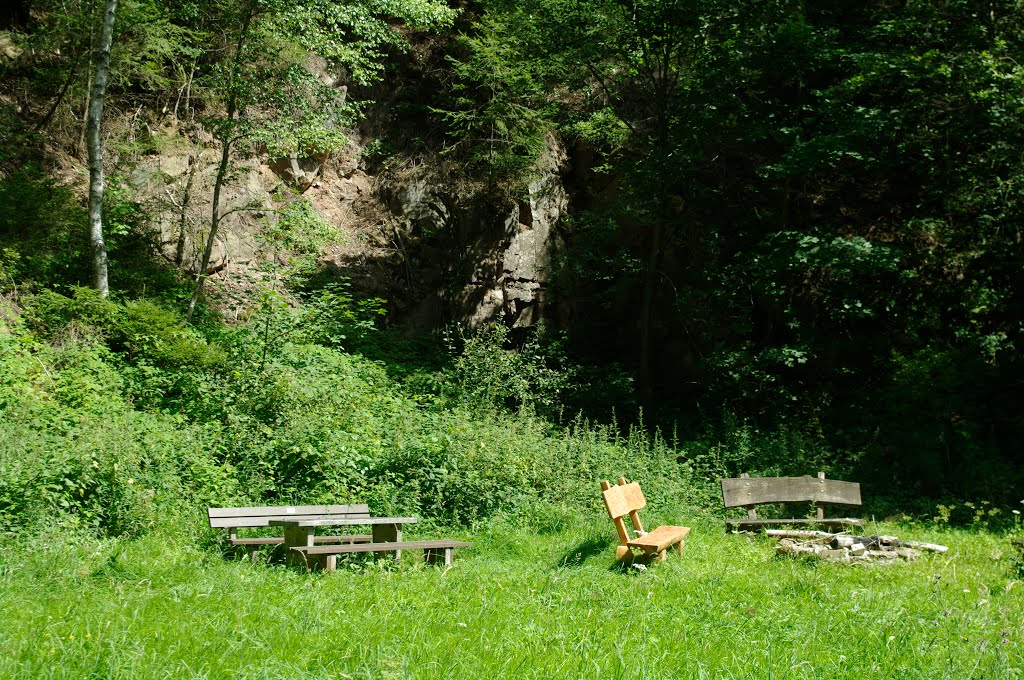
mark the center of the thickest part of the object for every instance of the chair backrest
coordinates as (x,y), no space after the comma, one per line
(746,491)
(229,518)
(621,500)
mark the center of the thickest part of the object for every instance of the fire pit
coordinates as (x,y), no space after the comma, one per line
(847,548)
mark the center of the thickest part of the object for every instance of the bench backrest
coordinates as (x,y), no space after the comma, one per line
(747,491)
(230,518)
(621,500)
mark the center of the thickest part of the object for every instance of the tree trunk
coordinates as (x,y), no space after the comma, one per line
(227,139)
(96,95)
(179,251)
(204,263)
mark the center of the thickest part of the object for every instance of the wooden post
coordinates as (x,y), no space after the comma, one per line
(634,516)
(819,504)
(442,556)
(388,533)
(620,526)
(751,510)
(297,536)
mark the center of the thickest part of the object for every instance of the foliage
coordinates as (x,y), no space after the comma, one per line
(498,115)
(812,200)
(487,374)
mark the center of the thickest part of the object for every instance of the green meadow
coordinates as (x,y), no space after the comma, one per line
(520,603)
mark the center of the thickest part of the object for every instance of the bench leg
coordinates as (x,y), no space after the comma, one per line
(297,536)
(315,562)
(680,548)
(388,533)
(439,556)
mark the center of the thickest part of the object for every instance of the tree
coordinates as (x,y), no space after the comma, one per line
(270,98)
(96,96)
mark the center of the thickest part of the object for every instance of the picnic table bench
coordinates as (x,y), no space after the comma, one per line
(234,519)
(748,492)
(304,546)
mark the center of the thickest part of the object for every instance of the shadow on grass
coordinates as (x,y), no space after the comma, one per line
(575,557)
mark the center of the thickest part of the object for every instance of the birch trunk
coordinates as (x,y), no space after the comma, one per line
(95,116)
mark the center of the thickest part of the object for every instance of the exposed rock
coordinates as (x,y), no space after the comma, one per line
(8,48)
(410,236)
(297,172)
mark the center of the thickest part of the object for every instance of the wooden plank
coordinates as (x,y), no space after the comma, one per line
(381,547)
(622,499)
(620,526)
(290,510)
(264,521)
(339,521)
(660,539)
(756,490)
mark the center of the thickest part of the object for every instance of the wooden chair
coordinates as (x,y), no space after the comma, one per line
(626,499)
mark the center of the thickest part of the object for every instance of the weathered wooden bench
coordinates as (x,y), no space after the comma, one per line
(438,551)
(626,499)
(233,519)
(747,492)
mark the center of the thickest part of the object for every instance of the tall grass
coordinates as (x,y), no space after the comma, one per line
(521,603)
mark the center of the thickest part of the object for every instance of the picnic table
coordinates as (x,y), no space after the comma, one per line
(301,532)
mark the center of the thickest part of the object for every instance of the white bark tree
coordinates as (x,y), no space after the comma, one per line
(95,117)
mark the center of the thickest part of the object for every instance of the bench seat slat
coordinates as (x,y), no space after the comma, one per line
(380,547)
(660,539)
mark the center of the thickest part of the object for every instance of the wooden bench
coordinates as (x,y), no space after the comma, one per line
(747,492)
(440,551)
(233,519)
(626,499)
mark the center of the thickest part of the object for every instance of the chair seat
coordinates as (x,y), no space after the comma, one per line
(660,539)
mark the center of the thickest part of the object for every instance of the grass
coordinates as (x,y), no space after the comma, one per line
(518,604)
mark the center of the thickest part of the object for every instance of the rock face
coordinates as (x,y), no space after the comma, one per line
(497,262)
(527,259)
(408,234)
(177,191)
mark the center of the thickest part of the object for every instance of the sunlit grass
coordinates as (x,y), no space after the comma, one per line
(518,604)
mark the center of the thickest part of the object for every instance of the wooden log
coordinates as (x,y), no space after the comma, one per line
(798,533)
(933,547)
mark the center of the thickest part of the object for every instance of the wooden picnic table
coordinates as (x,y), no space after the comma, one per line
(301,532)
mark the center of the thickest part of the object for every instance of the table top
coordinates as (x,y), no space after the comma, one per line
(340,522)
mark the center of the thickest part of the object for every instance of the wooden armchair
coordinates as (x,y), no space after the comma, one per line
(626,499)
